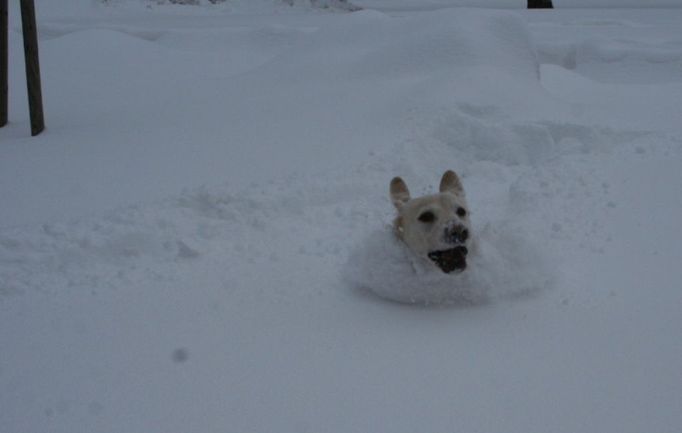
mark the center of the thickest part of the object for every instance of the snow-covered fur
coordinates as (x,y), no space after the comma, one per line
(437,226)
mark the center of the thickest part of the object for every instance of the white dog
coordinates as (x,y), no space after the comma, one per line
(435,226)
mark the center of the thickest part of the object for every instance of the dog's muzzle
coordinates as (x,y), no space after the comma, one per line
(456,234)
(453,259)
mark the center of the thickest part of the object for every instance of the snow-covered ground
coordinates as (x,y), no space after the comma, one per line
(177,248)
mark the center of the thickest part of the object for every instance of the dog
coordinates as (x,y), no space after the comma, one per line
(435,227)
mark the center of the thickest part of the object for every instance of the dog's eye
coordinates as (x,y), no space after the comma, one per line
(427,217)
(461,212)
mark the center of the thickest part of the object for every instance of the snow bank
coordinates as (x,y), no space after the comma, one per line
(501,265)
(451,42)
(264,93)
(622,60)
(418,5)
(617,3)
(408,5)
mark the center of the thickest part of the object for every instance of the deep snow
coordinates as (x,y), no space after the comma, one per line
(502,265)
(177,249)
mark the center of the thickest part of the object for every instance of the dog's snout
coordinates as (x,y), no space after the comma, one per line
(457,234)
(464,235)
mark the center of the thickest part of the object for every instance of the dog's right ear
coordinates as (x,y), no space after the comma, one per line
(399,192)
(450,183)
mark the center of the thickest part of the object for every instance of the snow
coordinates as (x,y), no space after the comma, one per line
(502,265)
(616,3)
(421,5)
(187,247)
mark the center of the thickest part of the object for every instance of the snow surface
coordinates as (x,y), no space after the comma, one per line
(501,265)
(185,247)
(421,5)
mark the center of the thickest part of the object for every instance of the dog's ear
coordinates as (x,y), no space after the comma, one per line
(399,192)
(450,183)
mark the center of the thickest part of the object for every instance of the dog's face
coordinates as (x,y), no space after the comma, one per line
(435,226)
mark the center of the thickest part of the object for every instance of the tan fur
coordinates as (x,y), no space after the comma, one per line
(441,230)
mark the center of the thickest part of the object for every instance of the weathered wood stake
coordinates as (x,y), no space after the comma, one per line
(4,48)
(35,94)
(540,4)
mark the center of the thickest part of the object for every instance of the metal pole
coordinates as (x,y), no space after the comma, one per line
(4,48)
(35,96)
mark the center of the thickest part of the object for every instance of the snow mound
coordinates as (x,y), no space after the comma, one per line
(452,42)
(451,45)
(503,265)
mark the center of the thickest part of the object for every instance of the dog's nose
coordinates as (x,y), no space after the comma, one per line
(456,234)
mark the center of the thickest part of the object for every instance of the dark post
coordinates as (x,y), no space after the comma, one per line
(4,48)
(540,4)
(35,94)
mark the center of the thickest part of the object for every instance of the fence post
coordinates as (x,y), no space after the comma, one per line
(540,4)
(4,49)
(35,95)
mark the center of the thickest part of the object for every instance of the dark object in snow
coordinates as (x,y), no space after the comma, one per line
(454,259)
(180,355)
(35,94)
(185,251)
(540,4)
(30,34)
(3,62)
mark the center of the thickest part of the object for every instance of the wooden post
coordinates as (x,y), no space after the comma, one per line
(4,48)
(540,4)
(35,94)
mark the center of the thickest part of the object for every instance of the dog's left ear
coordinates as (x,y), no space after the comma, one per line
(450,183)
(399,192)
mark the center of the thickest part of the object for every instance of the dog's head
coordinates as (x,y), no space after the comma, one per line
(435,226)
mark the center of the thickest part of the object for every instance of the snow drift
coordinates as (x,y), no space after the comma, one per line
(501,265)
